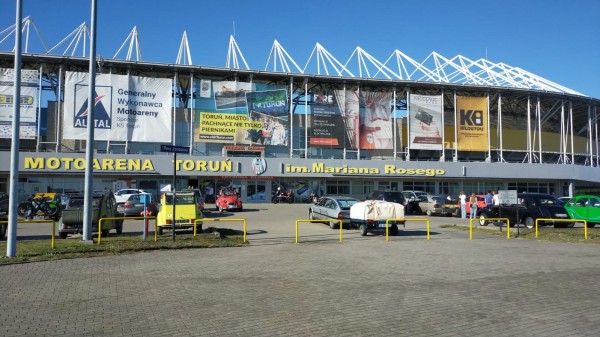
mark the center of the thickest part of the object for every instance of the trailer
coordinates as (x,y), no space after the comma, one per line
(371,215)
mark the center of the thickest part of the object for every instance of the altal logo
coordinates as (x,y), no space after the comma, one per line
(102,100)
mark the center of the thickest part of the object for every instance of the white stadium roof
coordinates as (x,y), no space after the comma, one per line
(435,68)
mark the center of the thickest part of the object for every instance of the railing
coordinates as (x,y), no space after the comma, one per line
(585,234)
(39,221)
(123,218)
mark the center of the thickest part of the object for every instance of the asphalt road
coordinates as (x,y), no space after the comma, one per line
(408,286)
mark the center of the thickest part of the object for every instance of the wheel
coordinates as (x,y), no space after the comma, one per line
(159,230)
(362,229)
(428,212)
(23,210)
(529,222)
(275,200)
(393,230)
(240,209)
(310,215)
(105,233)
(333,224)
(220,209)
(62,235)
(591,224)
(119,227)
(52,210)
(570,224)
(482,221)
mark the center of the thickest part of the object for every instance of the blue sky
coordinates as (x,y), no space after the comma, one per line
(555,39)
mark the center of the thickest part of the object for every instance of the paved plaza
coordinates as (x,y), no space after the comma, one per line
(364,286)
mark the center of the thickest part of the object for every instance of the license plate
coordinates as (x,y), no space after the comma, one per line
(560,215)
(38,217)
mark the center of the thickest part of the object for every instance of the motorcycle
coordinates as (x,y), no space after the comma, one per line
(283,197)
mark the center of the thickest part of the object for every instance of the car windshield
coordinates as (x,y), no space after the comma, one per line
(346,203)
(181,200)
(547,201)
(392,196)
(439,199)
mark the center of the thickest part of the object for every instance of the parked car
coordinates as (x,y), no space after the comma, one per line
(435,205)
(531,206)
(412,201)
(199,197)
(584,207)
(563,200)
(103,206)
(228,199)
(122,195)
(134,206)
(391,196)
(332,208)
(480,204)
(186,212)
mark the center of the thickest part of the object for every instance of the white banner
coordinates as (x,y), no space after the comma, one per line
(425,122)
(126,108)
(29,103)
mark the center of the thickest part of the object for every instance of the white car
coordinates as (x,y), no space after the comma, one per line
(122,195)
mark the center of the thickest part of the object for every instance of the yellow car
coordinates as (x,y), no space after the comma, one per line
(186,212)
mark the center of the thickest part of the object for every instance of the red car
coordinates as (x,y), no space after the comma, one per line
(228,199)
(480,203)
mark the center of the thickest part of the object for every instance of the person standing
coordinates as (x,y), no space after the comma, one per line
(473,204)
(463,205)
(489,199)
(496,198)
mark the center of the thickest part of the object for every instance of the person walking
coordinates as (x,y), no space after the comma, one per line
(473,204)
(463,205)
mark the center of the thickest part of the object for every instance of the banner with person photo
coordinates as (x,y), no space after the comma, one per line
(231,112)
(126,108)
(472,123)
(28,103)
(326,123)
(375,119)
(425,120)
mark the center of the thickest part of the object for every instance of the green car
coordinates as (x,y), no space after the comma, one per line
(584,207)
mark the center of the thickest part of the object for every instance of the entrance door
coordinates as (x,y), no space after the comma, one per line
(256,191)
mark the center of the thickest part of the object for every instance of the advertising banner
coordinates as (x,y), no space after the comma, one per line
(348,103)
(126,108)
(242,113)
(472,123)
(375,112)
(28,101)
(326,127)
(425,120)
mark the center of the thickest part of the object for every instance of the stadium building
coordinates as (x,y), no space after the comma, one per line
(443,125)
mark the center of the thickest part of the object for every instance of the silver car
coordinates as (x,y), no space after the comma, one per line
(332,208)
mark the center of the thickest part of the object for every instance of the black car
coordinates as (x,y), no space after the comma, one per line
(531,206)
(391,196)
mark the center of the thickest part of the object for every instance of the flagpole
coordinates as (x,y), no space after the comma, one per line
(11,241)
(89,145)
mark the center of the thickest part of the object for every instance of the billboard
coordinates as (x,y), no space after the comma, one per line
(126,108)
(231,112)
(375,118)
(28,101)
(425,120)
(472,123)
(326,109)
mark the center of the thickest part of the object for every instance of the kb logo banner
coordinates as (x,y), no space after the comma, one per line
(472,123)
